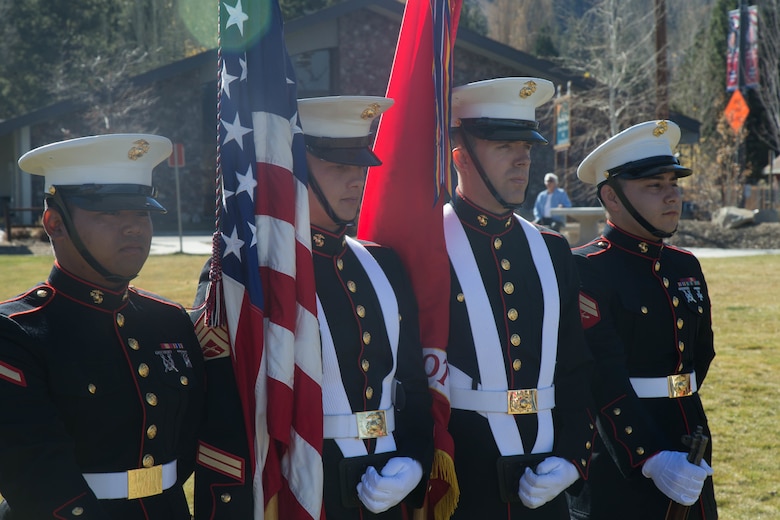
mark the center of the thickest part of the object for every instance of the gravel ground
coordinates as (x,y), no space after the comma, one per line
(697,233)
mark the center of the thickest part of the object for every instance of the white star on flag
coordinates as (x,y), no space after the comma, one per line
(247,183)
(235,132)
(227,79)
(237,17)
(232,244)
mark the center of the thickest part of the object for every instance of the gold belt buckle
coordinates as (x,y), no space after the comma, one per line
(521,401)
(371,424)
(144,482)
(679,385)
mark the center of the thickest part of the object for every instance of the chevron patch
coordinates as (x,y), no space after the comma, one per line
(214,341)
(221,462)
(12,374)
(589,311)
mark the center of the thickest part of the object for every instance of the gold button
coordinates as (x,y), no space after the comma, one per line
(151,399)
(643,309)
(369,392)
(184,380)
(143,370)
(91,388)
(151,431)
(509,287)
(497,243)
(681,346)
(666,282)
(366,338)
(505,265)
(587,445)
(120,319)
(512,314)
(133,343)
(640,451)
(591,426)
(616,411)
(516,364)
(148,461)
(364,365)
(225,498)
(125,296)
(41,293)
(460,297)
(340,264)
(351,286)
(657,266)
(515,340)
(482,220)
(629,430)
(679,367)
(583,462)
(701,310)
(77,511)
(675,301)
(680,323)
(361,311)
(97,296)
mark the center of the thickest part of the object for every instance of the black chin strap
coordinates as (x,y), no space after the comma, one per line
(58,204)
(634,213)
(483,175)
(315,187)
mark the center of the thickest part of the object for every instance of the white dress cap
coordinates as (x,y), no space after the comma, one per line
(340,116)
(501,98)
(644,141)
(100,159)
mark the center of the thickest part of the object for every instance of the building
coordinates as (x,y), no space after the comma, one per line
(179,102)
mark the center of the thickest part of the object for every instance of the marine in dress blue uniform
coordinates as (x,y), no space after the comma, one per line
(101,382)
(646,313)
(518,365)
(375,394)
(372,359)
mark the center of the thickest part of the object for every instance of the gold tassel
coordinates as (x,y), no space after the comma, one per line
(444,469)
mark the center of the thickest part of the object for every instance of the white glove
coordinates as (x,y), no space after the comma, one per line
(675,477)
(552,476)
(381,492)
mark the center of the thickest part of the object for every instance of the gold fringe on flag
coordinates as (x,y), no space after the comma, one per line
(444,469)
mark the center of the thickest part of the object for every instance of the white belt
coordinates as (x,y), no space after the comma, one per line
(361,425)
(673,386)
(507,401)
(134,483)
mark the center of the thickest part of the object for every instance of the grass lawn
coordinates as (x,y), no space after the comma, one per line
(740,394)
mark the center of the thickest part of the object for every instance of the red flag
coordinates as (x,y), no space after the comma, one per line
(402,205)
(262,271)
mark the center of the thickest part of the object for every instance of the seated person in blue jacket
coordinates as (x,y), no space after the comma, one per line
(551,197)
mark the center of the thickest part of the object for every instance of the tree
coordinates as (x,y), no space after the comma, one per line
(768,92)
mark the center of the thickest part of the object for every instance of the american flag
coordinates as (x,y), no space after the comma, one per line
(408,191)
(267,278)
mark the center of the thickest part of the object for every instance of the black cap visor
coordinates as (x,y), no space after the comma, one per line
(492,129)
(111,197)
(355,151)
(649,167)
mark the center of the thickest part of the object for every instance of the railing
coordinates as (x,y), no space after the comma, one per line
(7,212)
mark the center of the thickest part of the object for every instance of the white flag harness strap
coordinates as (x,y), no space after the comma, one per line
(334,397)
(486,341)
